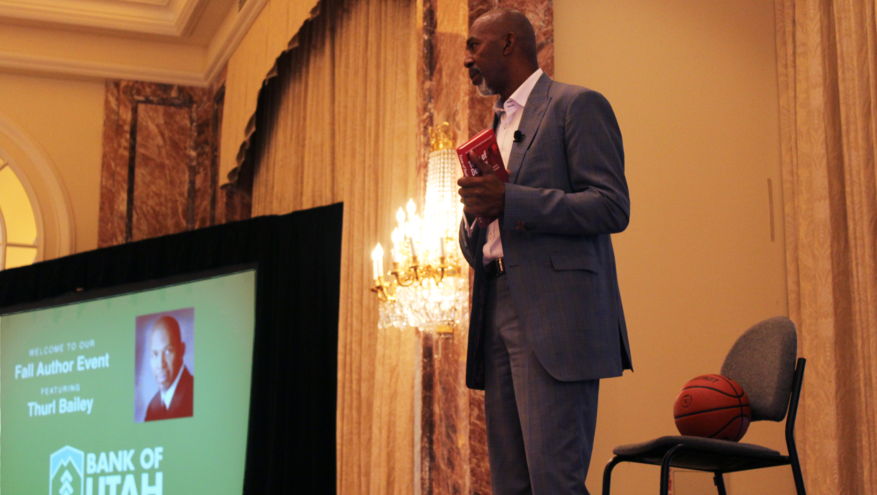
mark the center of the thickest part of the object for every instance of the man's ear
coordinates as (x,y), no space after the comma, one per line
(182,348)
(509,46)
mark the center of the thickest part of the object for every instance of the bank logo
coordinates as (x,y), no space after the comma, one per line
(67,472)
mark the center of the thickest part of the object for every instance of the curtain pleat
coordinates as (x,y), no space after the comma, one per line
(339,123)
(827,64)
(250,66)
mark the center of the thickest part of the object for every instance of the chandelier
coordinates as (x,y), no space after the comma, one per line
(427,287)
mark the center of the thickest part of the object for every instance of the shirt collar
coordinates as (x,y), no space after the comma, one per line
(520,96)
(168,395)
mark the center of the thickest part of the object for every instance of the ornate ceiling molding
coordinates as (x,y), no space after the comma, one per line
(162,17)
(99,70)
(217,53)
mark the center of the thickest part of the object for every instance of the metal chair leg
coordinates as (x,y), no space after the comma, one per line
(719,480)
(607,473)
(798,475)
(665,469)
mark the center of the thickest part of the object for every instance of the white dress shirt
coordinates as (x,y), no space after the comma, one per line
(168,395)
(510,112)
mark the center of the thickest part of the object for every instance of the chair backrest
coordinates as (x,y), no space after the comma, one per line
(762,361)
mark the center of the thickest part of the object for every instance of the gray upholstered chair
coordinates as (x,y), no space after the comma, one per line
(763,362)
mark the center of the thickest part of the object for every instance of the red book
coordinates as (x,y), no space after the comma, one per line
(483,144)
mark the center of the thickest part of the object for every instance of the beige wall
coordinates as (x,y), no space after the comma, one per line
(64,119)
(694,86)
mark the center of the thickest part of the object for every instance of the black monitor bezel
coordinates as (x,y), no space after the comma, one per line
(110,291)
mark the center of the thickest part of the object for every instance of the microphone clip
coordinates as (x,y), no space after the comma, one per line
(519,137)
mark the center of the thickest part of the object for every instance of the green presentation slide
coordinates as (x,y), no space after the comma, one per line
(144,393)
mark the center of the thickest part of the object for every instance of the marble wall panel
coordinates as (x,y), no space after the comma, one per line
(427,421)
(450,81)
(479,465)
(442,415)
(205,148)
(152,134)
(450,78)
(451,418)
(161,173)
(445,442)
(114,170)
(453,432)
(541,15)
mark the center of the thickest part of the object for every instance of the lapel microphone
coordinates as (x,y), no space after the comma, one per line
(519,137)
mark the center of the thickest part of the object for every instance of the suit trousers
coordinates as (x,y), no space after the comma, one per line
(540,430)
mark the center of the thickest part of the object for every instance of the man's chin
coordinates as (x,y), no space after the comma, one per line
(484,89)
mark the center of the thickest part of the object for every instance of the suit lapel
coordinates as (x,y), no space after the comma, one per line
(537,103)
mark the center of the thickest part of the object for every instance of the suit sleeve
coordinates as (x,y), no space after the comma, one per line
(599,202)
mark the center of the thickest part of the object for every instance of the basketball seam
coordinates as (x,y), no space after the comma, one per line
(740,401)
(726,425)
(713,389)
(728,381)
(706,411)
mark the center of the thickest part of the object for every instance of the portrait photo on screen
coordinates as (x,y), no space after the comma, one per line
(164,382)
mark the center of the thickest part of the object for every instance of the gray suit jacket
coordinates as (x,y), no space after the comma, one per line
(566,194)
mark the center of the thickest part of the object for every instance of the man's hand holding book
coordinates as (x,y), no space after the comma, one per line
(482,189)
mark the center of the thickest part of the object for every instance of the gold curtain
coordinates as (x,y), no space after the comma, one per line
(271,34)
(339,123)
(827,63)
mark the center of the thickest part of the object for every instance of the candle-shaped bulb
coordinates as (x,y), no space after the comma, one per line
(442,252)
(378,261)
(412,247)
(397,237)
(400,217)
(411,208)
(415,224)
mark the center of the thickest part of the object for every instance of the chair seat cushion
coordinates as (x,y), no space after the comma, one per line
(702,454)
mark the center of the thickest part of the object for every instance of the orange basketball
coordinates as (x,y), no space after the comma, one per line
(713,406)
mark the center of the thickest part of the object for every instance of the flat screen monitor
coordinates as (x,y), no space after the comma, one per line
(133,390)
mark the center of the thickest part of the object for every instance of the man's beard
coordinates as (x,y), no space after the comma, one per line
(483,88)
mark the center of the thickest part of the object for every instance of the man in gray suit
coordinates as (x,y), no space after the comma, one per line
(547,322)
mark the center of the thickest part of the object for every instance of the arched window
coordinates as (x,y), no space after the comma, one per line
(19,235)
